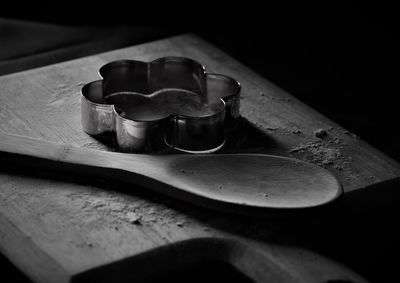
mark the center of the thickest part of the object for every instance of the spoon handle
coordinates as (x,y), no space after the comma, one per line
(46,154)
(137,169)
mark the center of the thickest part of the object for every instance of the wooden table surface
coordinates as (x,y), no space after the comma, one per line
(59,230)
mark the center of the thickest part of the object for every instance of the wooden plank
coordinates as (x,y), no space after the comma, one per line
(57,230)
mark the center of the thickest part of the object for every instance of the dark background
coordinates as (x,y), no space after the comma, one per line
(341,58)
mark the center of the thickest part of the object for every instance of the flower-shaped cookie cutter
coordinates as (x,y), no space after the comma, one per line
(171,101)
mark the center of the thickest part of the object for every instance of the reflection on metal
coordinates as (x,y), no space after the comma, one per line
(170,101)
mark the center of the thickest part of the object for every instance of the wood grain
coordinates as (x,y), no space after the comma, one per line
(237,183)
(58,230)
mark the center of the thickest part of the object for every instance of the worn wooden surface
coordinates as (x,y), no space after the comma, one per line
(56,230)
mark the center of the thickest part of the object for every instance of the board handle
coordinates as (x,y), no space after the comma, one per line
(267,262)
(256,261)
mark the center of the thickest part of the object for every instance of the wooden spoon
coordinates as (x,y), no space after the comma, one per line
(234,182)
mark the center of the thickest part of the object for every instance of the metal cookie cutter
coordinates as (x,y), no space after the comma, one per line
(171,101)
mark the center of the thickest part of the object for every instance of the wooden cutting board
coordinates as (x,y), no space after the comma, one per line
(60,230)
